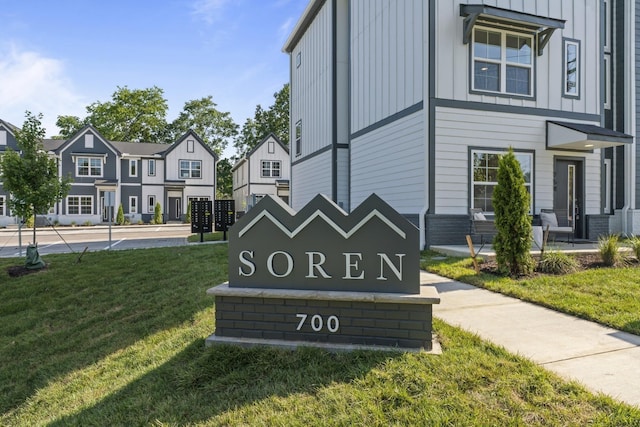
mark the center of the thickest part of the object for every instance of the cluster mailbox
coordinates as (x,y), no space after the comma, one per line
(320,275)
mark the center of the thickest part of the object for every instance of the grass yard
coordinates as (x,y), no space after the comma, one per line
(610,296)
(119,340)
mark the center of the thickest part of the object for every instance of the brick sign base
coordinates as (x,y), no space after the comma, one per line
(264,316)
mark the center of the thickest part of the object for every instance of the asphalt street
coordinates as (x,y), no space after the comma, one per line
(13,242)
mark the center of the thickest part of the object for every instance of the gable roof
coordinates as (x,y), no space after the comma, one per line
(192,133)
(141,148)
(10,127)
(265,139)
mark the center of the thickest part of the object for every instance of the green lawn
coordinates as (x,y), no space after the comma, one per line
(610,296)
(118,339)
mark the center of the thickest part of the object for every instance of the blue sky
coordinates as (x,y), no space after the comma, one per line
(57,57)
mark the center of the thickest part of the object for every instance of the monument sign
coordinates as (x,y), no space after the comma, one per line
(322,276)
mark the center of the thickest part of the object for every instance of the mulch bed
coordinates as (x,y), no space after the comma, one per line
(585,261)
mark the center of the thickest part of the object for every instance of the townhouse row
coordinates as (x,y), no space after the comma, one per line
(106,174)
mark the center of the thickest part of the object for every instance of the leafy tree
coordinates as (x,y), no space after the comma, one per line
(511,202)
(214,127)
(274,119)
(120,215)
(224,179)
(31,178)
(132,115)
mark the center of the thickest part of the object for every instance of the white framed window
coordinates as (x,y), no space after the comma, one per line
(607,81)
(88,141)
(133,204)
(79,205)
(189,145)
(3,206)
(133,167)
(502,62)
(607,26)
(271,147)
(152,167)
(151,204)
(571,61)
(89,166)
(190,169)
(484,176)
(3,137)
(298,137)
(270,169)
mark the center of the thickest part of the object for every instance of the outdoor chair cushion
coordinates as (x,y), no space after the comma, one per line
(549,218)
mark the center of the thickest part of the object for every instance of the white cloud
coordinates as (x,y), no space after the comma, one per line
(33,82)
(208,11)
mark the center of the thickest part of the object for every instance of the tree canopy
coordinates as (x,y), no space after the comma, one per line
(274,120)
(31,178)
(139,115)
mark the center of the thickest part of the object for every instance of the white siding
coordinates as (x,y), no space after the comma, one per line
(311,84)
(149,190)
(387,54)
(457,130)
(390,162)
(262,153)
(582,21)
(311,177)
(158,178)
(199,153)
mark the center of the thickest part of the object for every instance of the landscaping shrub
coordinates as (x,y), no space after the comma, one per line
(120,215)
(634,242)
(511,202)
(609,247)
(555,262)
(157,214)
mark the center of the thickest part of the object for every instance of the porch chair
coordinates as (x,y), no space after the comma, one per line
(548,217)
(481,226)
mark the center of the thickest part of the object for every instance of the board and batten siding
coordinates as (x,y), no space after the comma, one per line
(311,177)
(255,164)
(387,56)
(311,85)
(390,161)
(180,152)
(457,130)
(582,21)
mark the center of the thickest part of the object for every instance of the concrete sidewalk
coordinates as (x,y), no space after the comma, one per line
(602,359)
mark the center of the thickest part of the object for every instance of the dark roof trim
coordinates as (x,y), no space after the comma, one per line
(580,136)
(544,26)
(265,139)
(301,27)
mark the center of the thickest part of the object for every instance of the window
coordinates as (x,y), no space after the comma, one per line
(133,167)
(271,147)
(79,205)
(152,167)
(270,169)
(571,68)
(298,59)
(3,137)
(152,204)
(88,141)
(133,204)
(3,204)
(190,169)
(88,166)
(502,62)
(607,81)
(298,137)
(484,176)
(607,26)
(189,145)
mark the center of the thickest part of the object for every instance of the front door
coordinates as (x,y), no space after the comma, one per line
(568,193)
(175,208)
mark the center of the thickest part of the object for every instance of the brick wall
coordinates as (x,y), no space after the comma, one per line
(353,322)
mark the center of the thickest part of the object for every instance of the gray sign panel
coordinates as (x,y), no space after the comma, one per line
(373,249)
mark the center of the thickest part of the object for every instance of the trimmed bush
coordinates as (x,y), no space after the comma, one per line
(120,215)
(157,214)
(511,202)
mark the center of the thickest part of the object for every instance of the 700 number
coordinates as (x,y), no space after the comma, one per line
(317,322)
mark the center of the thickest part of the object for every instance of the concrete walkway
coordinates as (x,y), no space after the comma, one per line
(602,359)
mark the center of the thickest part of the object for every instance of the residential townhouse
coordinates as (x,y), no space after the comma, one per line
(262,171)
(415,100)
(138,175)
